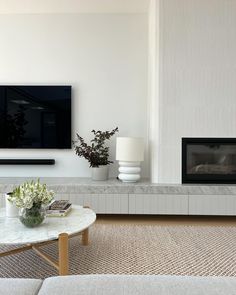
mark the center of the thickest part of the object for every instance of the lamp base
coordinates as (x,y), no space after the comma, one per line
(129,171)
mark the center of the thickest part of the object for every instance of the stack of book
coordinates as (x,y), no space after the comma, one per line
(59,208)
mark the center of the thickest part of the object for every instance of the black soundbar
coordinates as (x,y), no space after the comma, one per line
(27,161)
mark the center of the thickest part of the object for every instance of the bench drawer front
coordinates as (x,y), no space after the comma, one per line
(158,204)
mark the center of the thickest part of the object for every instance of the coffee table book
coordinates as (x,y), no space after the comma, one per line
(59,209)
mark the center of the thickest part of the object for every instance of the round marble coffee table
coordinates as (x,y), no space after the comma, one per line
(78,221)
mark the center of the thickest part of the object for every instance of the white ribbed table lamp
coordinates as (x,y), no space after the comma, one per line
(129,153)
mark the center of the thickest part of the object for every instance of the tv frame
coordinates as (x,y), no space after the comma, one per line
(42,148)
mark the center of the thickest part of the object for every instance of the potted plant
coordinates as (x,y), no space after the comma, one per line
(31,197)
(97,153)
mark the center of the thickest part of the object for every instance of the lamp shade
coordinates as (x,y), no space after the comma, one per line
(129,149)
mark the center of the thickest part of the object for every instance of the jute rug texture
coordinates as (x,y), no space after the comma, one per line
(137,249)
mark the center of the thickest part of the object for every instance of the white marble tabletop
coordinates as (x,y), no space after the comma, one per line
(12,231)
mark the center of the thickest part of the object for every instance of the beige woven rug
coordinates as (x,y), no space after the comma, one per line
(138,249)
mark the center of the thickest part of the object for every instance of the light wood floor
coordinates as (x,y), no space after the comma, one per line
(167,220)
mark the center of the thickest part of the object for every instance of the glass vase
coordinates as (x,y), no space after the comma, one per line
(34,216)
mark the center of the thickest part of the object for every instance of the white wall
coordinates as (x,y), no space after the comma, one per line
(103,57)
(197,77)
(153,88)
(74,6)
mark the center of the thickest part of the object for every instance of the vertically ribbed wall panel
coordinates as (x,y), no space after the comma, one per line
(197,77)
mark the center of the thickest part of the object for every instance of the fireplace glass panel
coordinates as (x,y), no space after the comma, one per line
(212,158)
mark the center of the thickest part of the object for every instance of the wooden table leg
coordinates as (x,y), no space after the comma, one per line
(85,234)
(63,254)
(85,237)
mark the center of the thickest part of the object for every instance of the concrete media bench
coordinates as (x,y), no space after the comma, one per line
(115,197)
(120,285)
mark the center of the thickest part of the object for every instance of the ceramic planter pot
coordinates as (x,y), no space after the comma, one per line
(11,209)
(100,173)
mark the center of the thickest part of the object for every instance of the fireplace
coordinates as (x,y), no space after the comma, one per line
(209,160)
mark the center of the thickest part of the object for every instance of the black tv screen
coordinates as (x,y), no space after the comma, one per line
(35,117)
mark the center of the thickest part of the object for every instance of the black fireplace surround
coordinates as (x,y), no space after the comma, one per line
(209,160)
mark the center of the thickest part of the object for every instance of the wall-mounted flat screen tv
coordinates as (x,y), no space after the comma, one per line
(35,117)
